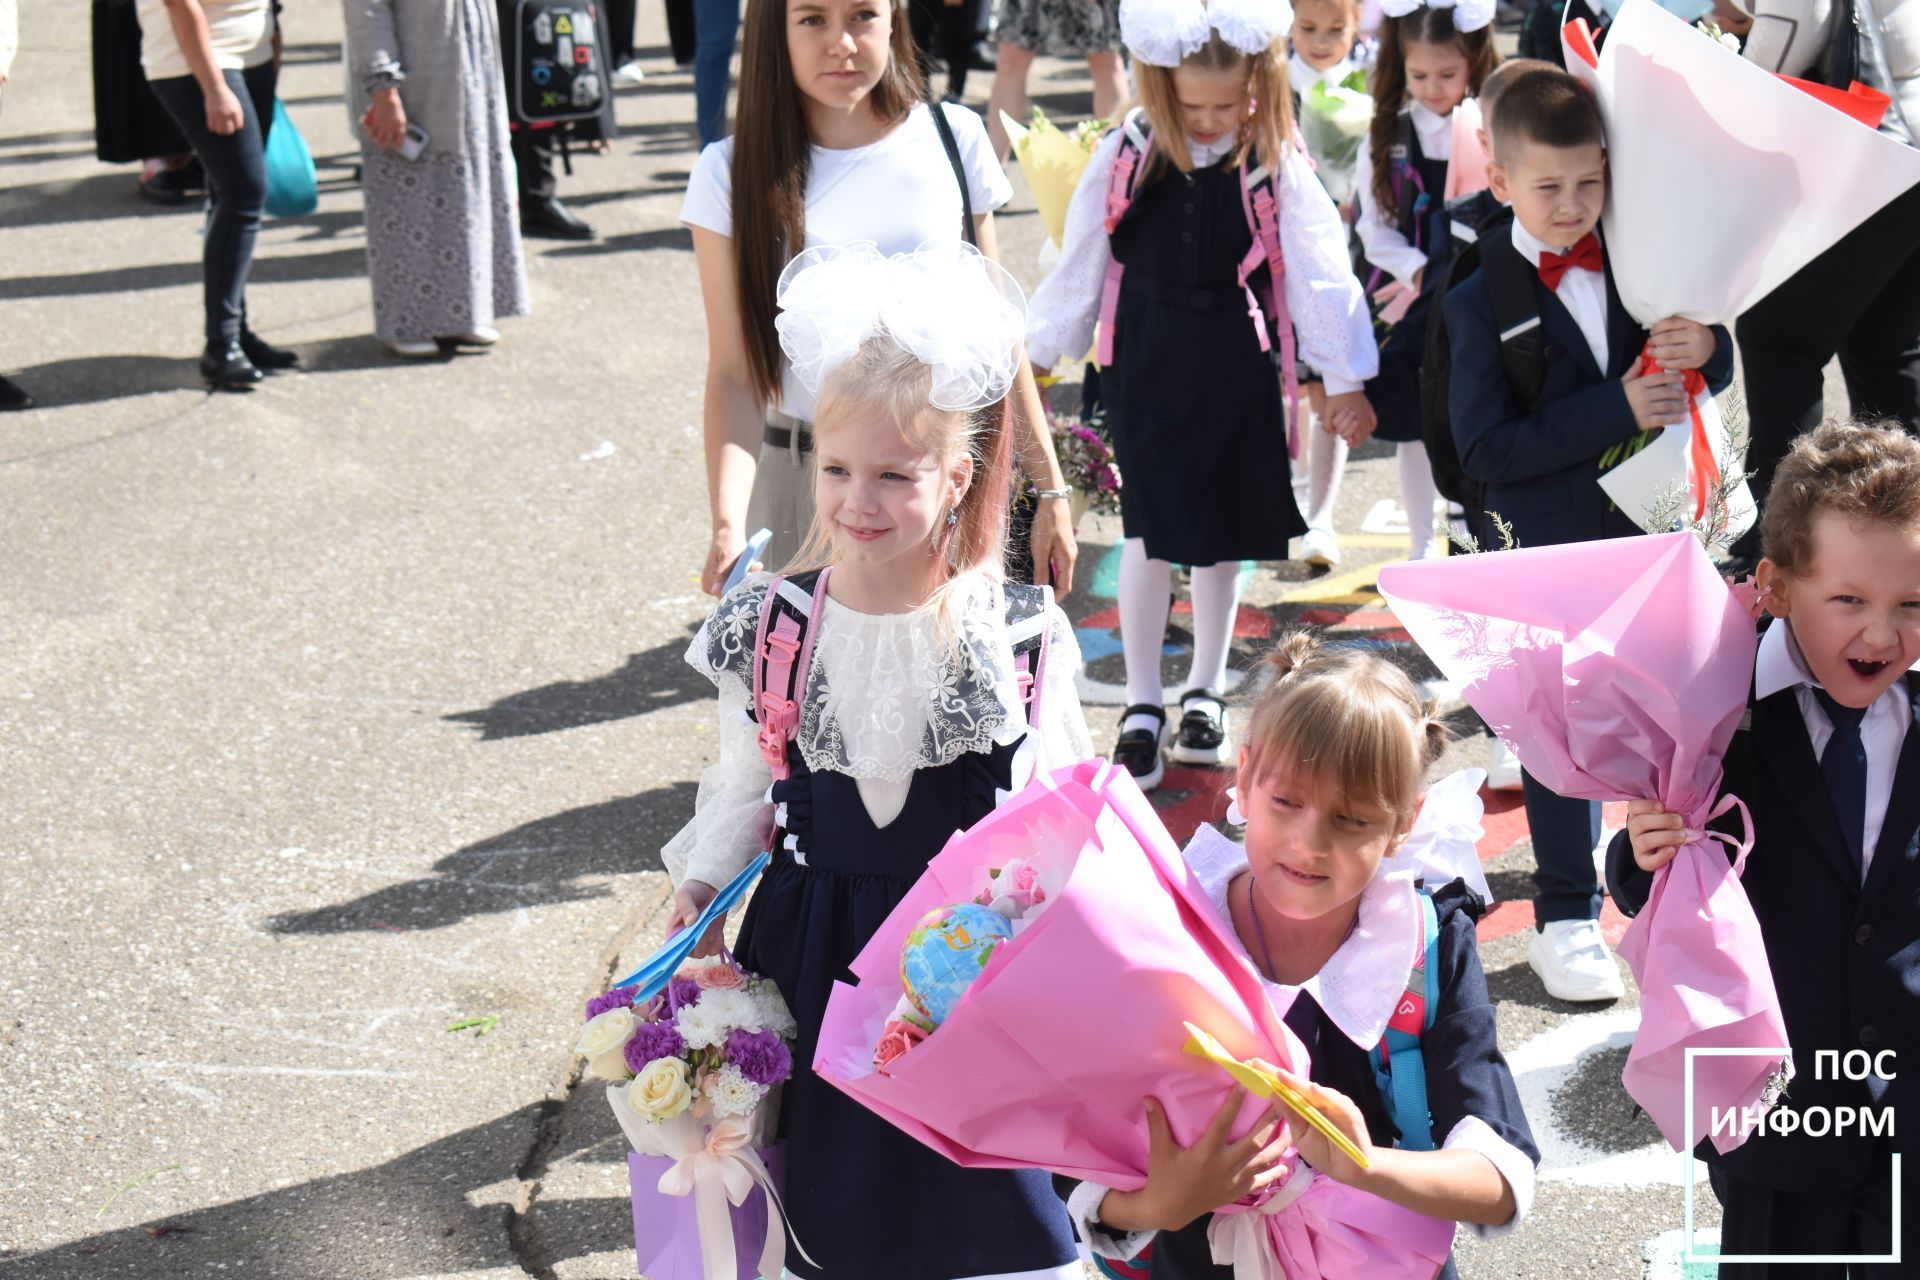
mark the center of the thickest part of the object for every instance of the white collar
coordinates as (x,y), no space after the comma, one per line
(1207,154)
(1780,664)
(1303,77)
(1429,125)
(1531,246)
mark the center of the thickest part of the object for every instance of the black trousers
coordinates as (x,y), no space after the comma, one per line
(946,32)
(1860,300)
(621,16)
(533,159)
(1757,1220)
(236,187)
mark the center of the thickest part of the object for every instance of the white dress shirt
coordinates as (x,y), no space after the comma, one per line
(1329,311)
(1380,235)
(1582,292)
(1883,730)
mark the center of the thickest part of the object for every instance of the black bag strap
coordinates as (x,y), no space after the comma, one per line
(1523,340)
(952,145)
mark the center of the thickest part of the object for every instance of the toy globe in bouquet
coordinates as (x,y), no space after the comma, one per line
(1056,964)
(696,1059)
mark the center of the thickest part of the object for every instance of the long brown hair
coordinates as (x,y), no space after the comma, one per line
(1264,134)
(1424,25)
(772,158)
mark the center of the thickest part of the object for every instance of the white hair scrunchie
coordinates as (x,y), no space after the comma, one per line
(1468,15)
(1165,33)
(948,305)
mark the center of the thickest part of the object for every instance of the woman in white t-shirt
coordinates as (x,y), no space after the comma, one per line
(213,65)
(836,143)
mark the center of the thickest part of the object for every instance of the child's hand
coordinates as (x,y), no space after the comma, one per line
(1655,398)
(1680,344)
(1656,831)
(1350,417)
(1185,1182)
(689,900)
(1314,1147)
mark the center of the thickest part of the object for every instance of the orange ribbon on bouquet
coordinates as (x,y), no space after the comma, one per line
(1703,468)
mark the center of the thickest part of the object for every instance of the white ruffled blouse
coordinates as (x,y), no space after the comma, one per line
(1328,309)
(886,696)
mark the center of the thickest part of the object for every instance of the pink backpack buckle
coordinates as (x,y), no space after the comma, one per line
(779,717)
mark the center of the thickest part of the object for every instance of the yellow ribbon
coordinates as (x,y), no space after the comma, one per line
(721,1168)
(1266,1084)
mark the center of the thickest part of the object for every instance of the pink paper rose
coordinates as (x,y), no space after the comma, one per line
(895,1039)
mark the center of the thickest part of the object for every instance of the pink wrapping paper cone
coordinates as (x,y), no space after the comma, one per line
(1045,1062)
(1467,161)
(1334,1230)
(1619,670)
(666,1234)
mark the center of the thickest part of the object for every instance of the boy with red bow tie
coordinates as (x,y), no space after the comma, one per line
(1537,448)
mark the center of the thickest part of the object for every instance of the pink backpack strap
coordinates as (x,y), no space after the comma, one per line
(1030,653)
(782,656)
(1127,159)
(1259,199)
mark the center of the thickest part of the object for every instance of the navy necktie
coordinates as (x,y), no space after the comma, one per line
(1844,765)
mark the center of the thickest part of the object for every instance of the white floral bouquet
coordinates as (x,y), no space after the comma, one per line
(695,1068)
(1334,118)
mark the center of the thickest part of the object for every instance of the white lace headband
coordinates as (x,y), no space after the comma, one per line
(952,308)
(1468,15)
(1164,33)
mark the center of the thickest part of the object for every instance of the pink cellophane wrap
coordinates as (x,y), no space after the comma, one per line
(1776,174)
(1045,1061)
(1619,670)
(1328,1230)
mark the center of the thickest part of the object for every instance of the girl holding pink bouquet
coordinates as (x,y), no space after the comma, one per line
(1347,907)
(890,691)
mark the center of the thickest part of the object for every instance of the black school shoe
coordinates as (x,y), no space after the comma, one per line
(1203,729)
(13,396)
(1138,750)
(265,355)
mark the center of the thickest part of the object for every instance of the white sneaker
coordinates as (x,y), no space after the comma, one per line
(421,349)
(1503,768)
(629,73)
(1574,962)
(1320,547)
(479,336)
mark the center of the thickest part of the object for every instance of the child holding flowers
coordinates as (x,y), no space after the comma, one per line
(891,691)
(1326,898)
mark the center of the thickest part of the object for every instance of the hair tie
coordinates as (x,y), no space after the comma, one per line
(949,306)
(1165,33)
(1468,15)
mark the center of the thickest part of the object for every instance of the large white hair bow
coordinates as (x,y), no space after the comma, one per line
(1164,33)
(951,307)
(1444,843)
(1468,15)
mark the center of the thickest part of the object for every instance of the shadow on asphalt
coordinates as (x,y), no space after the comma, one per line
(336,264)
(98,379)
(408,1217)
(644,683)
(679,238)
(565,857)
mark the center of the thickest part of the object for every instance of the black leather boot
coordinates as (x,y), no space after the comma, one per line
(226,368)
(265,355)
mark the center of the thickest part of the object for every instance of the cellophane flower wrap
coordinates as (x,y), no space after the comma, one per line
(1759,175)
(1053,160)
(1044,1061)
(1619,670)
(1334,117)
(696,1072)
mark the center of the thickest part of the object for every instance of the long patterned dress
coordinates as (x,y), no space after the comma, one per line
(443,231)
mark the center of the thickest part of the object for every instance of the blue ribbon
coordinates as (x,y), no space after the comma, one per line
(651,977)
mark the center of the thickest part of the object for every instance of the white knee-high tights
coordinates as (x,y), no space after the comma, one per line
(1146,596)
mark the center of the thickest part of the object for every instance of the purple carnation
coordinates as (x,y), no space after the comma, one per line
(618,998)
(651,1041)
(760,1055)
(681,992)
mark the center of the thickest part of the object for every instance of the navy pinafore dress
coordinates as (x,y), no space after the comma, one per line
(1193,403)
(864,1198)
(1394,392)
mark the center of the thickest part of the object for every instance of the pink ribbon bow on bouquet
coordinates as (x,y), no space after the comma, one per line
(1619,670)
(1314,1228)
(718,1166)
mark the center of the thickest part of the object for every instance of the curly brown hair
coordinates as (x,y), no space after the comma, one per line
(1863,470)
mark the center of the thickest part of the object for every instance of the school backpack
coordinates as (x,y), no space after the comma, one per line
(1400,1070)
(1482,243)
(1260,201)
(556,62)
(783,654)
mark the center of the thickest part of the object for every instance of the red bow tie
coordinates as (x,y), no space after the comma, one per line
(1554,266)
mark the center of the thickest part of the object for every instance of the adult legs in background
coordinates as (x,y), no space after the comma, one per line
(541,213)
(1009,94)
(1567,949)
(1109,74)
(1417,493)
(944,31)
(715,23)
(237,190)
(1859,300)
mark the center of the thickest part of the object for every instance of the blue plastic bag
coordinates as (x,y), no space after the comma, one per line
(293,188)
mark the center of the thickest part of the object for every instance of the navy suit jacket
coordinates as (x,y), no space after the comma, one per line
(1542,469)
(1845,956)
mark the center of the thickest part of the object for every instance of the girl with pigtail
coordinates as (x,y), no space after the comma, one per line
(1433,58)
(1354,893)
(873,702)
(1199,242)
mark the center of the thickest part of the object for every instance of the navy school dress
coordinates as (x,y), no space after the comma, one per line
(1466,1074)
(1394,392)
(1192,402)
(864,1198)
